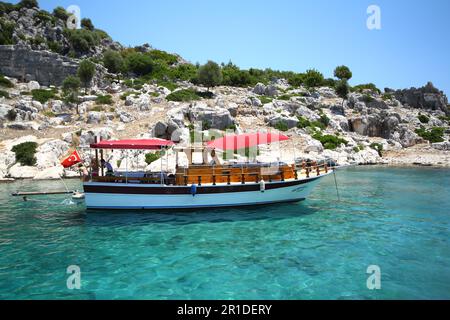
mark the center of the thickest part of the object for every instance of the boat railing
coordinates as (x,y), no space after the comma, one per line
(295,172)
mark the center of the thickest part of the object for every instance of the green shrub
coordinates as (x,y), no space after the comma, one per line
(49,114)
(82,40)
(445,119)
(5,82)
(423,118)
(139,63)
(368,86)
(61,13)
(167,84)
(313,78)
(6,32)
(43,95)
(329,142)
(434,135)
(96,109)
(265,100)
(54,46)
(25,153)
(164,57)
(7,7)
(377,147)
(281,126)
(184,72)
(185,95)
(303,123)
(44,17)
(113,61)
(28,4)
(235,77)
(152,157)
(387,96)
(368,98)
(4,94)
(101,100)
(296,80)
(87,24)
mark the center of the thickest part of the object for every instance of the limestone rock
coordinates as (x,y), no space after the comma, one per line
(217,118)
(23,172)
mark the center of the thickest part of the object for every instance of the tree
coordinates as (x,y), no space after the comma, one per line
(342,90)
(71,87)
(28,4)
(313,78)
(343,73)
(113,61)
(87,24)
(210,75)
(86,72)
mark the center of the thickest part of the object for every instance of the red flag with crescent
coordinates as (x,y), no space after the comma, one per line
(71,160)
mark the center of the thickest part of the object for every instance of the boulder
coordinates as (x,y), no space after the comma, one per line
(327,92)
(125,117)
(50,153)
(271,91)
(233,109)
(443,146)
(181,135)
(4,109)
(94,117)
(160,130)
(33,85)
(57,106)
(23,126)
(143,102)
(275,119)
(176,116)
(253,101)
(260,89)
(216,117)
(88,137)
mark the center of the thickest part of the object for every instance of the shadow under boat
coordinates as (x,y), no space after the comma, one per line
(194,216)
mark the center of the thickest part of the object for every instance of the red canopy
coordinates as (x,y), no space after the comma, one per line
(243,141)
(147,144)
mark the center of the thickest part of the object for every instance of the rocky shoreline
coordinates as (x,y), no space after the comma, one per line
(361,122)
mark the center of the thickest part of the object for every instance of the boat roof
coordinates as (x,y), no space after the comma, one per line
(142,144)
(248,140)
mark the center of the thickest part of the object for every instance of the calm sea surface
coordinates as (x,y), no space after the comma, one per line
(398,219)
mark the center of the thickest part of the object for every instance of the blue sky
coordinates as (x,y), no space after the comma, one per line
(411,48)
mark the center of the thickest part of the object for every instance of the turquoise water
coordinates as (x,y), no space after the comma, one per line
(398,219)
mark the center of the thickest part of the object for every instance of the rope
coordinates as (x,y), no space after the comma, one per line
(336,184)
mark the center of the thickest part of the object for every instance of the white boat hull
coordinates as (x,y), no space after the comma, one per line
(140,197)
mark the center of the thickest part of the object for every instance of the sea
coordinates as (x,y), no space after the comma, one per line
(381,233)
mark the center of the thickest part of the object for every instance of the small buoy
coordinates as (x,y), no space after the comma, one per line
(78,195)
(262,185)
(194,190)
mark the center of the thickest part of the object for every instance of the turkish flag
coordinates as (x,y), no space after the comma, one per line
(71,160)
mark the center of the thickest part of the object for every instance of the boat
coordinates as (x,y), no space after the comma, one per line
(213,183)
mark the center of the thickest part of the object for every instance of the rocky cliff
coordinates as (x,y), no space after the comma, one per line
(46,67)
